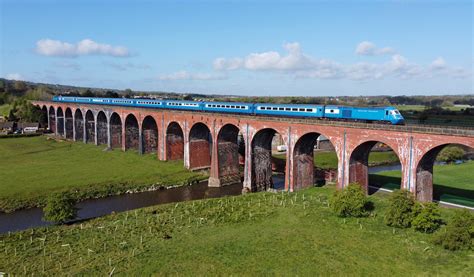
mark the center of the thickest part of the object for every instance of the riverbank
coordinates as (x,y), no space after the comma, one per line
(32,168)
(253,234)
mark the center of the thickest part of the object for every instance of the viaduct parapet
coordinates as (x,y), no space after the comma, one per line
(225,142)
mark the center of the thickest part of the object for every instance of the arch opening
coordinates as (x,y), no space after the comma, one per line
(60,118)
(102,132)
(43,120)
(267,172)
(131,132)
(115,131)
(174,142)
(79,125)
(69,123)
(149,135)
(52,120)
(90,126)
(314,161)
(374,165)
(230,154)
(200,146)
(444,173)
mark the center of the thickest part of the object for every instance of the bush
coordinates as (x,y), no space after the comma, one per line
(60,208)
(401,210)
(451,154)
(459,233)
(427,218)
(350,201)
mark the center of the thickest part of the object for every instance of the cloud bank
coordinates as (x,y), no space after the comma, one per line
(57,48)
(301,65)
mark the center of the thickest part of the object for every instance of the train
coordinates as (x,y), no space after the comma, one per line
(387,115)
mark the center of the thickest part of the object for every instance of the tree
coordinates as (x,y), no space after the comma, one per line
(451,154)
(60,208)
(88,93)
(401,210)
(350,201)
(428,218)
(23,110)
(19,86)
(459,233)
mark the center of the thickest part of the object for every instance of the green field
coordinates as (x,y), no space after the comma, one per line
(452,183)
(254,234)
(32,168)
(421,108)
(5,109)
(328,159)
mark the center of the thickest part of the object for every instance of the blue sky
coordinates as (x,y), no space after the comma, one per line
(311,48)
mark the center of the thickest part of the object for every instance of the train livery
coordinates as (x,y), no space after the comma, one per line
(365,114)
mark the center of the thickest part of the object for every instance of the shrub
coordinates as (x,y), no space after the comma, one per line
(350,201)
(459,233)
(59,208)
(451,154)
(401,210)
(427,218)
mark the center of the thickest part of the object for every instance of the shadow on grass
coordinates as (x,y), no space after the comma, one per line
(440,192)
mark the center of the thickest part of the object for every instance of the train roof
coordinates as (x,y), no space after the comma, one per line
(228,103)
(288,105)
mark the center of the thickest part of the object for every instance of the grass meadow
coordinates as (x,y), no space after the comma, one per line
(452,183)
(32,168)
(254,234)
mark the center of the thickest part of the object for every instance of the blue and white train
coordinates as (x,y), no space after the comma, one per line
(365,114)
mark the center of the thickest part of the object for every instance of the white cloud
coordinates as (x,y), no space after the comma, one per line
(227,64)
(367,48)
(56,48)
(271,60)
(184,75)
(438,64)
(15,76)
(301,65)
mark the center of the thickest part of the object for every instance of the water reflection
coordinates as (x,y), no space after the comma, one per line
(29,218)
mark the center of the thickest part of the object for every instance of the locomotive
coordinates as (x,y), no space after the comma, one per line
(389,115)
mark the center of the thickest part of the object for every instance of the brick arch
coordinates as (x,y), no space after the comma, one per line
(60,120)
(200,146)
(69,123)
(78,125)
(261,155)
(102,128)
(132,132)
(424,171)
(52,119)
(304,173)
(359,161)
(149,135)
(89,121)
(115,125)
(174,141)
(230,153)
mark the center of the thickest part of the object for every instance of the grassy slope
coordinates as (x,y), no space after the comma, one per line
(5,109)
(453,183)
(254,234)
(34,167)
(329,159)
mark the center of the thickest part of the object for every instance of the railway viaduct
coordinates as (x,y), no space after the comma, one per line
(223,142)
